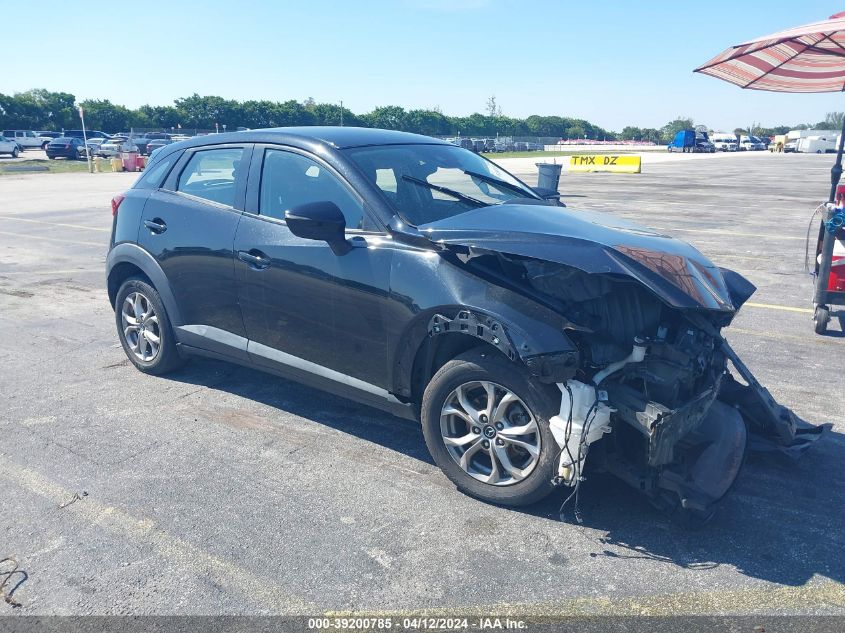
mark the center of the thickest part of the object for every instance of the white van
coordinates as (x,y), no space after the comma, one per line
(724,142)
(816,144)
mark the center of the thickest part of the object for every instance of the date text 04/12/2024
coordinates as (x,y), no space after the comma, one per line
(417,623)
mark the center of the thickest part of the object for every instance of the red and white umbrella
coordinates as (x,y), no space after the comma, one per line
(809,58)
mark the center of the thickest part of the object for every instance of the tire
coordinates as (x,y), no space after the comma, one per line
(44,146)
(150,312)
(820,319)
(531,409)
(818,151)
(842,322)
(15,153)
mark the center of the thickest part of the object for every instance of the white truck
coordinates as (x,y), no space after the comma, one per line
(751,143)
(724,142)
(816,144)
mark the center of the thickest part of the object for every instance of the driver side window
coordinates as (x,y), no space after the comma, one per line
(289,180)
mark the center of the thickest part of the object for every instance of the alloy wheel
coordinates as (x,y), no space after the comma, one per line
(490,433)
(141,327)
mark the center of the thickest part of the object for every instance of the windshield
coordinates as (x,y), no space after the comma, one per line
(426,183)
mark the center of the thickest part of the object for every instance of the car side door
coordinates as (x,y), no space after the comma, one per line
(303,304)
(188,225)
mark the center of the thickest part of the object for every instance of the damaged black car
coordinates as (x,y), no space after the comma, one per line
(530,340)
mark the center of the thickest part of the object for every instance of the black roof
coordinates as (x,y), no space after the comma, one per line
(335,136)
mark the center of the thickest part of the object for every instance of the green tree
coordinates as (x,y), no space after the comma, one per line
(104,115)
(388,118)
(668,131)
(833,120)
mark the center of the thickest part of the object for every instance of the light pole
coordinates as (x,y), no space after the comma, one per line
(341,113)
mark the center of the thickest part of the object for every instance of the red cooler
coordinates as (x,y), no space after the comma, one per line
(130,161)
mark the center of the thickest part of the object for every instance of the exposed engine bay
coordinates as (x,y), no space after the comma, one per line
(653,383)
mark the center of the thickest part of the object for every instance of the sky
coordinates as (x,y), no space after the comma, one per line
(614,63)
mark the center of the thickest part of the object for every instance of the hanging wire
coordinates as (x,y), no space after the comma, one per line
(817,210)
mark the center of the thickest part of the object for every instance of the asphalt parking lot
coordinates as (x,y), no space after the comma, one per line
(223,490)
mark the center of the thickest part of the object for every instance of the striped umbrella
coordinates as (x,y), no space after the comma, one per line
(809,58)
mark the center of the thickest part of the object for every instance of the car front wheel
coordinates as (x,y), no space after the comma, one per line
(144,328)
(15,153)
(486,424)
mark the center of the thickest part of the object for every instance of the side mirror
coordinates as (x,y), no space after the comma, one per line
(322,221)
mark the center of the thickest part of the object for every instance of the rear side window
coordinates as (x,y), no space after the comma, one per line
(155,174)
(289,180)
(210,174)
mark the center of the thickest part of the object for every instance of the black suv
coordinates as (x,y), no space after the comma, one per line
(416,276)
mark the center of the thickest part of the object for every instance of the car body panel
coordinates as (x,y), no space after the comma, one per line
(198,264)
(594,242)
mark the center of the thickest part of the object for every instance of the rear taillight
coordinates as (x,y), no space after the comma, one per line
(115,203)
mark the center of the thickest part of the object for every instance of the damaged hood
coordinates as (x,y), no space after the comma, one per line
(598,243)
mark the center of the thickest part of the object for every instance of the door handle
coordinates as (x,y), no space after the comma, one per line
(156,225)
(255,259)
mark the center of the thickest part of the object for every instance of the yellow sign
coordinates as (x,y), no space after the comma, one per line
(623,164)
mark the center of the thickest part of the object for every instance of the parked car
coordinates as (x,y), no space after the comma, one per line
(115,146)
(9,146)
(790,146)
(66,147)
(158,135)
(691,141)
(140,142)
(26,139)
(419,277)
(93,145)
(154,144)
(45,136)
(88,134)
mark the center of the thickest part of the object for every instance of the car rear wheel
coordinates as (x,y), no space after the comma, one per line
(487,427)
(144,329)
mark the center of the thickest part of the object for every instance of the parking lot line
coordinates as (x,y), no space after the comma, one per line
(51,272)
(53,239)
(810,338)
(70,226)
(179,552)
(772,306)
